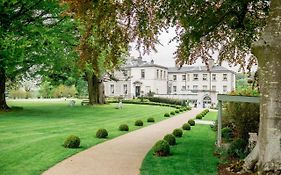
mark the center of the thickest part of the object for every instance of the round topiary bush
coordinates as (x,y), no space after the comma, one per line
(72,141)
(177,111)
(170,138)
(166,115)
(186,126)
(199,116)
(161,148)
(150,119)
(138,123)
(101,133)
(181,110)
(172,113)
(177,132)
(124,127)
(191,122)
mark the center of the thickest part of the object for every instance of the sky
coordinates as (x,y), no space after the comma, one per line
(165,52)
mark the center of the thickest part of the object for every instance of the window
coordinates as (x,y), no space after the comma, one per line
(183,88)
(142,73)
(195,87)
(205,87)
(161,74)
(224,77)
(224,88)
(195,77)
(183,77)
(205,77)
(174,77)
(164,75)
(174,88)
(125,73)
(112,88)
(188,87)
(214,77)
(214,88)
(157,74)
(125,89)
(188,78)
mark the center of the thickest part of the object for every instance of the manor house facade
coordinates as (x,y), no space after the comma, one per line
(194,83)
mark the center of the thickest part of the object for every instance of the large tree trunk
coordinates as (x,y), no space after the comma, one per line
(268,52)
(3,104)
(96,90)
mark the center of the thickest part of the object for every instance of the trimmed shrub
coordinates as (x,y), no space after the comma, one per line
(177,111)
(101,133)
(170,138)
(238,149)
(191,122)
(150,119)
(166,115)
(161,148)
(177,132)
(199,116)
(181,110)
(72,141)
(172,113)
(124,127)
(186,126)
(226,133)
(138,123)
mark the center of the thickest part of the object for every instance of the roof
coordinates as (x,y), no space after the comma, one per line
(193,69)
(139,63)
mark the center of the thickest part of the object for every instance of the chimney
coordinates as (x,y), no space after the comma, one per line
(152,61)
(211,63)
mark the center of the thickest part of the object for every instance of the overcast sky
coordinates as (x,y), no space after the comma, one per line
(165,52)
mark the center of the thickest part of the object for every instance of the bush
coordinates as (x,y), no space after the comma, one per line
(186,126)
(172,113)
(150,119)
(123,127)
(170,138)
(101,133)
(161,148)
(177,111)
(191,122)
(138,123)
(177,132)
(72,141)
(199,116)
(238,149)
(166,115)
(166,100)
(181,110)
(226,133)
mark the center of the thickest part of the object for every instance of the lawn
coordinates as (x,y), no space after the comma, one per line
(31,139)
(211,116)
(193,155)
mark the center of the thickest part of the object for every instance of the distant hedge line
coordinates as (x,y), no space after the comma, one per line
(148,103)
(167,100)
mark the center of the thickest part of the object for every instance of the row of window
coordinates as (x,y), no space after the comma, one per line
(196,77)
(125,89)
(160,74)
(195,87)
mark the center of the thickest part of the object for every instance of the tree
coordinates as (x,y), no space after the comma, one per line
(33,35)
(106,30)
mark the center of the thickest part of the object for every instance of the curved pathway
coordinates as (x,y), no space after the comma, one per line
(122,155)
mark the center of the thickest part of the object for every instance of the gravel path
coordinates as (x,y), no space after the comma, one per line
(122,155)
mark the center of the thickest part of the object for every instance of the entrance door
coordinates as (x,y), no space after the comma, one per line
(137,91)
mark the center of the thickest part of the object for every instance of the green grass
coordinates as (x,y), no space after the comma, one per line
(210,116)
(193,155)
(31,139)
